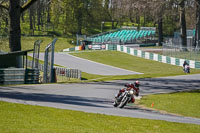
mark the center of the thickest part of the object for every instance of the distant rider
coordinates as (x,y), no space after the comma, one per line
(130,86)
(185,65)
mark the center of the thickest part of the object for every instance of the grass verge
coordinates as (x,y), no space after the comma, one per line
(150,68)
(183,103)
(20,118)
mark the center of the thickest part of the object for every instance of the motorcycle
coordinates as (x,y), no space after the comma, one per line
(124,98)
(187,69)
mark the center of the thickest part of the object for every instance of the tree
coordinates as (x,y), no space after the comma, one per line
(3,19)
(197,27)
(15,10)
(183,23)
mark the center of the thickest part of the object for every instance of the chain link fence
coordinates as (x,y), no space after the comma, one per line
(49,76)
(173,48)
(62,74)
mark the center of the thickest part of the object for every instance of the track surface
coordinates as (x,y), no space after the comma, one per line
(88,66)
(98,97)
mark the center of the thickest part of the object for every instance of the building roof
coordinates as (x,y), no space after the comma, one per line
(16,53)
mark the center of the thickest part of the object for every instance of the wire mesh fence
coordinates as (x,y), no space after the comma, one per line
(62,74)
(36,53)
(174,48)
(48,76)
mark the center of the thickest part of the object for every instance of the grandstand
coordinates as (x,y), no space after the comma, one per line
(191,32)
(123,35)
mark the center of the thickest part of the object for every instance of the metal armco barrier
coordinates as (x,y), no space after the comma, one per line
(32,76)
(12,76)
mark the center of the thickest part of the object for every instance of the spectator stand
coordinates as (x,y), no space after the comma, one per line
(124,35)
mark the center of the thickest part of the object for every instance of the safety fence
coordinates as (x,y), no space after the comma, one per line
(93,47)
(158,57)
(190,53)
(69,73)
(61,73)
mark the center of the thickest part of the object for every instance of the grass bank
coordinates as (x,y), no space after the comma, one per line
(20,118)
(150,68)
(183,103)
(28,43)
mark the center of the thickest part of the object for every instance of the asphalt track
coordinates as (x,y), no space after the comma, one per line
(98,97)
(65,59)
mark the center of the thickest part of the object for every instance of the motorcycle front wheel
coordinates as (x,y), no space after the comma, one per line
(123,102)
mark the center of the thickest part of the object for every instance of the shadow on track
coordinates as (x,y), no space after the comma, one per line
(152,85)
(64,99)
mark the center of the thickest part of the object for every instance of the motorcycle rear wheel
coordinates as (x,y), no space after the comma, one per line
(115,104)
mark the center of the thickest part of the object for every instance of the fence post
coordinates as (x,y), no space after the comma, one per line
(48,64)
(36,54)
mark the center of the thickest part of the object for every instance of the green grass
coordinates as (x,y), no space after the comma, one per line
(183,103)
(150,68)
(28,43)
(18,118)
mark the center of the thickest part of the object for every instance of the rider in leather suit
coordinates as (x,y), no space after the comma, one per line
(129,86)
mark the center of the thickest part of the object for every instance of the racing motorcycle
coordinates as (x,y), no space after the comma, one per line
(124,98)
(187,69)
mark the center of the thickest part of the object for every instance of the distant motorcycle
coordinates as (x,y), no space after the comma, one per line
(124,98)
(187,69)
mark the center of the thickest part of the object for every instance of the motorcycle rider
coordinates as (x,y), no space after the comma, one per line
(184,66)
(130,86)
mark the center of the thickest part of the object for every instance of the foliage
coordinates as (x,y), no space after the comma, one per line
(69,17)
(77,16)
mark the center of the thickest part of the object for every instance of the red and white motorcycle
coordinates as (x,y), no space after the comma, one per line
(124,98)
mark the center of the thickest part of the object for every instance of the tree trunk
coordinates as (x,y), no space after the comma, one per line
(38,15)
(6,21)
(138,20)
(14,29)
(160,32)
(113,24)
(34,23)
(197,28)
(48,13)
(22,14)
(31,19)
(183,25)
(42,15)
(79,21)
(144,23)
